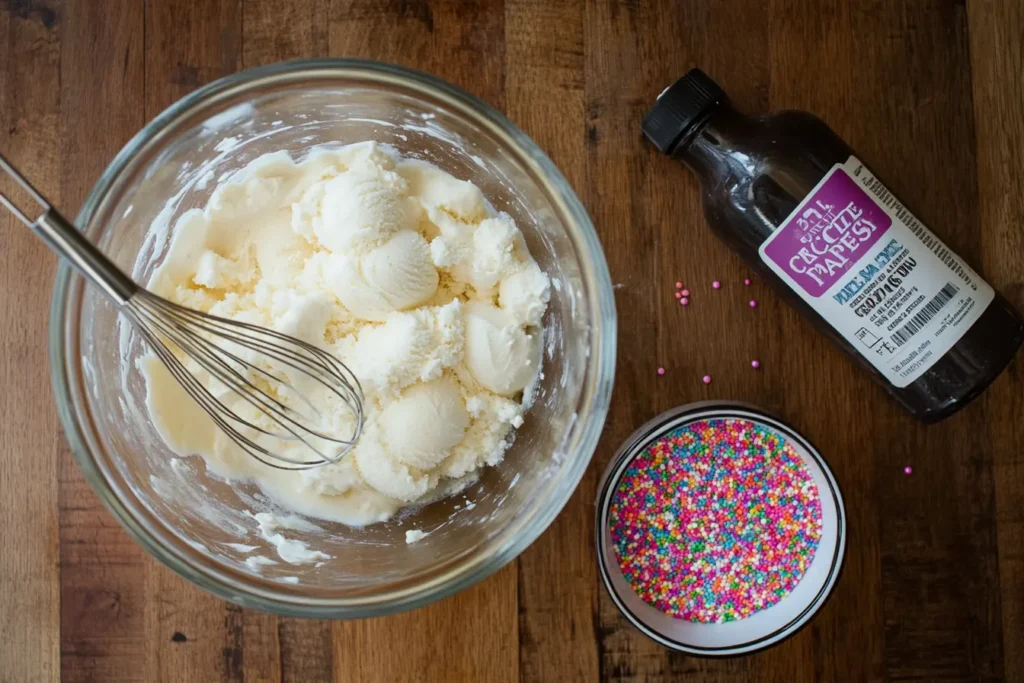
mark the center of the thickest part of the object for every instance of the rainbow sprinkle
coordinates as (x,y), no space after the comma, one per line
(716,520)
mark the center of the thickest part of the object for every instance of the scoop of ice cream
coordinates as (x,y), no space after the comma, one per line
(500,354)
(388,475)
(421,427)
(362,207)
(401,270)
(409,347)
(494,252)
(492,418)
(433,187)
(400,450)
(525,295)
(478,255)
(398,274)
(452,248)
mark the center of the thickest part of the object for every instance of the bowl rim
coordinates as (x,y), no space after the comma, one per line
(633,446)
(594,400)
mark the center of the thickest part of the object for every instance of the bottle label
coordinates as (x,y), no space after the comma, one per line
(889,286)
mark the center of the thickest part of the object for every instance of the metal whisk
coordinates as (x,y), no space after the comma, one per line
(257,366)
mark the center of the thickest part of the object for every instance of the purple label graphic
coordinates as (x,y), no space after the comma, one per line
(828,235)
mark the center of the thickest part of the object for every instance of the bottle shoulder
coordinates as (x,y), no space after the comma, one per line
(760,168)
(797,136)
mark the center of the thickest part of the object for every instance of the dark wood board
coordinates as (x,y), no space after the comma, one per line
(928,91)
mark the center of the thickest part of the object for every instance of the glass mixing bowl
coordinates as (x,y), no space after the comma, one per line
(203,528)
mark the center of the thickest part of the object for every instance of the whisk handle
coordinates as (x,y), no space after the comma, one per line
(67,241)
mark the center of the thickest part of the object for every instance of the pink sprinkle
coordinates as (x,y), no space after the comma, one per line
(747,282)
(908,470)
(679,295)
(684,301)
(686,292)
(707,379)
(716,284)
(755,364)
(661,371)
(679,285)
(753,304)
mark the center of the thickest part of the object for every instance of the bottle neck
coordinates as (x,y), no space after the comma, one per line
(713,146)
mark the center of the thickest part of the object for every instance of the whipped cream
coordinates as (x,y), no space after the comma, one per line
(402,271)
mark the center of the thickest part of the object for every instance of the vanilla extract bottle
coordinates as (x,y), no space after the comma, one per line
(786,193)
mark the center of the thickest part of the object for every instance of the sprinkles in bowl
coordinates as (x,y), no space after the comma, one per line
(715,520)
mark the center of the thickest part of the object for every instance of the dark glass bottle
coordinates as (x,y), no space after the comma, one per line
(786,193)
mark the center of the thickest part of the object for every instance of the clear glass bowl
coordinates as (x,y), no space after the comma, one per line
(200,526)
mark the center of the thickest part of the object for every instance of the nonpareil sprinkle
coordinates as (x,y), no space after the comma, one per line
(715,521)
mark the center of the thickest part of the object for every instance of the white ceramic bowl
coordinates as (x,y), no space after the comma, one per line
(762,629)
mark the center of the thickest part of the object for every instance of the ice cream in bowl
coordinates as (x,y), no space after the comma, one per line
(412,232)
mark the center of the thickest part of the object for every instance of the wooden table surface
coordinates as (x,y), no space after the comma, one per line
(929,92)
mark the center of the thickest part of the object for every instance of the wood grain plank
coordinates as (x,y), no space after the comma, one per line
(102,589)
(192,635)
(462,42)
(29,571)
(261,648)
(306,648)
(468,637)
(274,32)
(188,44)
(557,574)
(997,63)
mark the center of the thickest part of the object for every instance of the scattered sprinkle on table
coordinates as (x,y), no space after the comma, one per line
(684,301)
(661,371)
(686,292)
(679,295)
(679,285)
(716,284)
(707,379)
(908,470)
(755,364)
(753,304)
(716,520)
(746,282)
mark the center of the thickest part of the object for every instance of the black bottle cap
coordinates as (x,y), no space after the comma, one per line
(681,105)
